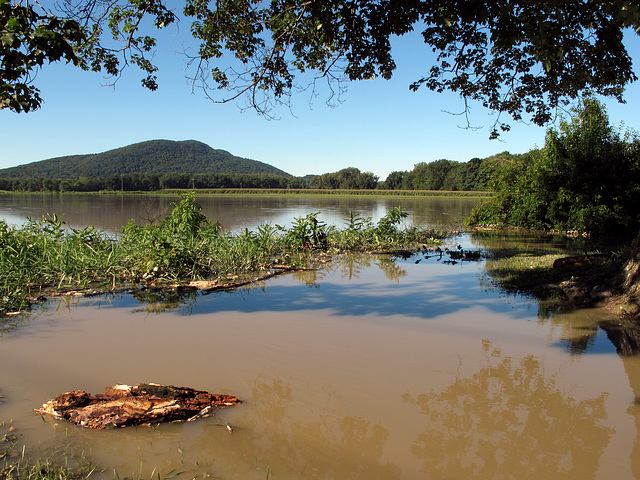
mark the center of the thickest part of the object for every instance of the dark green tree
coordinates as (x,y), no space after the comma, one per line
(394,181)
(347,179)
(27,40)
(517,57)
(469,175)
(473,175)
(586,178)
(444,174)
(432,175)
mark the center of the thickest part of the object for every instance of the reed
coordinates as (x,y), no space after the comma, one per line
(45,255)
(42,470)
(17,464)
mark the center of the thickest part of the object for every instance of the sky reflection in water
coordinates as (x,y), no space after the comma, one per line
(366,369)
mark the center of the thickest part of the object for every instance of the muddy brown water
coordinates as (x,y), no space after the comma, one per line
(370,368)
(234,212)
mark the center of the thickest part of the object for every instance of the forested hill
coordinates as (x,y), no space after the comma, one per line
(151,157)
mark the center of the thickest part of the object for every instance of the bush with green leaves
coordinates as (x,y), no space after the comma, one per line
(178,247)
(585,179)
(361,234)
(306,233)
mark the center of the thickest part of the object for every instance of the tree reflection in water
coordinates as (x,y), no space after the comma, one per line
(313,445)
(510,420)
(352,266)
(351,449)
(157,300)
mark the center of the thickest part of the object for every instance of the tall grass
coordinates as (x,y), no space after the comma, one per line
(45,255)
(16,464)
(41,470)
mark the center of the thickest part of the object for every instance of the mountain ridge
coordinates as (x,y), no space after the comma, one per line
(151,156)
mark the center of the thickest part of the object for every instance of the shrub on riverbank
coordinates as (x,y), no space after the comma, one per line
(585,179)
(45,255)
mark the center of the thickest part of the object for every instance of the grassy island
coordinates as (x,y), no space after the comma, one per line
(45,256)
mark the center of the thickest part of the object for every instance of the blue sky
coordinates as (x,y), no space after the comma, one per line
(380,127)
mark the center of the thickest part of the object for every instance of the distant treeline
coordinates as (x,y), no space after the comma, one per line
(443,175)
(146,182)
(438,175)
(314,191)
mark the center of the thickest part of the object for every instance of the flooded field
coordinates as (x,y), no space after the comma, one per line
(371,368)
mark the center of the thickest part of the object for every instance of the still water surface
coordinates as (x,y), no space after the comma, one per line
(111,212)
(367,369)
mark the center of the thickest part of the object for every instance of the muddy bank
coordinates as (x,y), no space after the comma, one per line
(612,284)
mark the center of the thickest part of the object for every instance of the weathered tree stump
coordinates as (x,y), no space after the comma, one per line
(144,403)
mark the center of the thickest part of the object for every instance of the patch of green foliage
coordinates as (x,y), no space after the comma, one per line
(526,263)
(346,179)
(585,179)
(442,175)
(15,465)
(40,470)
(45,255)
(523,269)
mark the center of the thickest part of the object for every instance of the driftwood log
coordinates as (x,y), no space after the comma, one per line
(144,403)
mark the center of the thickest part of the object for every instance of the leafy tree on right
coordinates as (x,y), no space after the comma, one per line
(521,59)
(586,178)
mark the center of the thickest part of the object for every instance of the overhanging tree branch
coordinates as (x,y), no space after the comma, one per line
(517,58)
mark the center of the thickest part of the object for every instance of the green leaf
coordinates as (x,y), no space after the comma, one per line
(13,24)
(7,39)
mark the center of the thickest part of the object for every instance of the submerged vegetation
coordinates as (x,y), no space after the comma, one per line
(45,256)
(42,470)
(15,465)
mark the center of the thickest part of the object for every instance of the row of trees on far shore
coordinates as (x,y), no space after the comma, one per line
(438,175)
(148,182)
(444,175)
